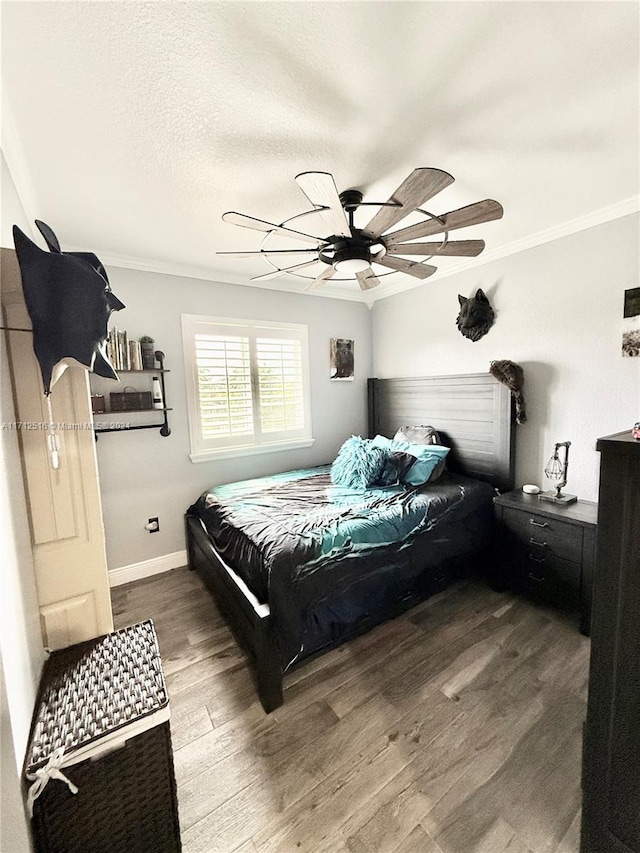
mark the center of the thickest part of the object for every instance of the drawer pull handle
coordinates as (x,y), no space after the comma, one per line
(533,541)
(538,523)
(535,578)
(536,559)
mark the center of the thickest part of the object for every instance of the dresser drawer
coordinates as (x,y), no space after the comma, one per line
(545,537)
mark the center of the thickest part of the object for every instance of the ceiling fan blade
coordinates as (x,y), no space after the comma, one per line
(472,214)
(260,225)
(320,279)
(267,252)
(320,189)
(276,273)
(367,280)
(410,267)
(421,185)
(458,248)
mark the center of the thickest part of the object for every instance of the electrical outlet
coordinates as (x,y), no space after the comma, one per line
(153,526)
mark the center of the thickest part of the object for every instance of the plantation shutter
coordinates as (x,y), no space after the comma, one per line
(224,386)
(280,384)
(247,386)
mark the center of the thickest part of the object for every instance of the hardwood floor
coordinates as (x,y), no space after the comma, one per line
(456,728)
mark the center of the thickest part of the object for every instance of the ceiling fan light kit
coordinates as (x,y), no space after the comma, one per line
(353,251)
(351,264)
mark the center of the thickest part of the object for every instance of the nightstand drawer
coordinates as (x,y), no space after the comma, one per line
(552,577)
(545,537)
(554,568)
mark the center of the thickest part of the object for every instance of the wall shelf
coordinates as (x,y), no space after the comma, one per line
(163,425)
(132,411)
(147,370)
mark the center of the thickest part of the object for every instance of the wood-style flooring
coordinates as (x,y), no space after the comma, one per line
(455,728)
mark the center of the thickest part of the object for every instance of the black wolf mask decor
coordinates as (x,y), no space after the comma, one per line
(69,301)
(476,316)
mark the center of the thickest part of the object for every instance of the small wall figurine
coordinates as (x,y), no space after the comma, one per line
(476,316)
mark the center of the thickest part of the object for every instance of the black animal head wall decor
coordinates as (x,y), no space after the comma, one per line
(69,301)
(476,316)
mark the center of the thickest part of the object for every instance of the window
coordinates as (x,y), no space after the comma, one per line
(247,386)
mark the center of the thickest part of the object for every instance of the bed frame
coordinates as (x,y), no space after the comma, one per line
(474,415)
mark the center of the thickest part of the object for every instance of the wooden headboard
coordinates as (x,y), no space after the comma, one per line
(474,415)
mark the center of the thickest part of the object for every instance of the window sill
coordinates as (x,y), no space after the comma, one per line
(249,450)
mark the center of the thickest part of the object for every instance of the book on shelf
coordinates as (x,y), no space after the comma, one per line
(135,355)
(124,354)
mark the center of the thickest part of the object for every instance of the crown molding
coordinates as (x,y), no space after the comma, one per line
(581,223)
(572,226)
(213,275)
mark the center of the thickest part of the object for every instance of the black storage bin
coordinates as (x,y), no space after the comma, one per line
(105,704)
(130,401)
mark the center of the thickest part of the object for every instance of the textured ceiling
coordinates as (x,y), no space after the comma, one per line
(131,127)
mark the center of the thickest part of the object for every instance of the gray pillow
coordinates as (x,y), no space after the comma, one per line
(422,434)
(418,435)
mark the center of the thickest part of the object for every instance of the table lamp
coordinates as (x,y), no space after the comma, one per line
(556,469)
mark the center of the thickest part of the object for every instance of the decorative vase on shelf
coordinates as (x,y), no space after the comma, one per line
(147,347)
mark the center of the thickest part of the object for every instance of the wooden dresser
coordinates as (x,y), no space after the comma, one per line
(546,550)
(611,766)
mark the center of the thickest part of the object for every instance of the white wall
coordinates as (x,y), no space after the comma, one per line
(143,474)
(12,210)
(558,314)
(14,833)
(21,653)
(20,636)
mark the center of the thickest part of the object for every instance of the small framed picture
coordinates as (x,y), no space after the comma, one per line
(341,359)
(631,323)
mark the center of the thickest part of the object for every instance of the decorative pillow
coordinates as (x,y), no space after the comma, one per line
(358,463)
(395,467)
(428,466)
(427,459)
(423,435)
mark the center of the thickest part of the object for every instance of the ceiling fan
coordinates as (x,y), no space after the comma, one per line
(356,251)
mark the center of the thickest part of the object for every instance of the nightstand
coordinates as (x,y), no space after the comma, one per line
(546,550)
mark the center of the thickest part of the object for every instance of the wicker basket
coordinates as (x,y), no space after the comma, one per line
(105,704)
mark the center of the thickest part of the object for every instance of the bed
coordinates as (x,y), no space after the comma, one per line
(300,565)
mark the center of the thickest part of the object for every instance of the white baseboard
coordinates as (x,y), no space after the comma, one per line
(146,568)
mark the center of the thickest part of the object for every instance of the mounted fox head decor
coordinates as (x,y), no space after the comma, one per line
(476,316)
(69,301)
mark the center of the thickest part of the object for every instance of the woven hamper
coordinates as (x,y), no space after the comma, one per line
(102,721)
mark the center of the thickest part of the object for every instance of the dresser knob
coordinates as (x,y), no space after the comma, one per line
(538,523)
(533,541)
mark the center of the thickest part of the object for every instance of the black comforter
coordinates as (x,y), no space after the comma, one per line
(317,552)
